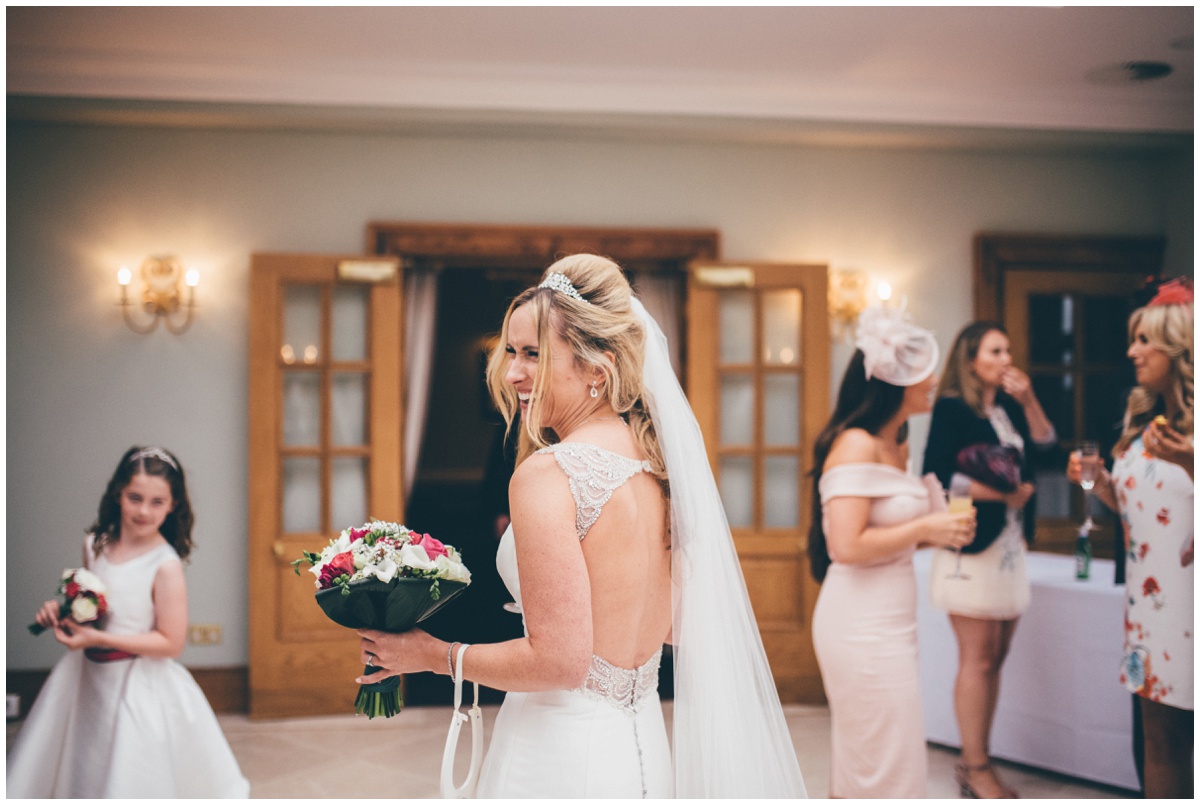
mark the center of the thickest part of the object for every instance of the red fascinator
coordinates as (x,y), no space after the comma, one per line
(1176,292)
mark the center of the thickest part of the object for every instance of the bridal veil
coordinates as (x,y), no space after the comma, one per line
(730,737)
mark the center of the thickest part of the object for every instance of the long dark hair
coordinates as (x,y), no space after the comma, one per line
(861,403)
(176,528)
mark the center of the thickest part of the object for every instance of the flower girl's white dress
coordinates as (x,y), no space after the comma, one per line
(137,727)
(606,738)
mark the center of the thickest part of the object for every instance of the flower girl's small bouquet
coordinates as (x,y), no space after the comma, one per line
(384,576)
(83,598)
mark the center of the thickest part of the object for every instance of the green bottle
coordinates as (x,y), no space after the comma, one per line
(1083,555)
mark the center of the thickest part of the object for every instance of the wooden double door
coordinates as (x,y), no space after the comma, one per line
(326,407)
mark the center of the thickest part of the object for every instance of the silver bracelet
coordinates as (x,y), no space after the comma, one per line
(450,659)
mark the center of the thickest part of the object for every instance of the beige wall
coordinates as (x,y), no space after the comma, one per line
(82,200)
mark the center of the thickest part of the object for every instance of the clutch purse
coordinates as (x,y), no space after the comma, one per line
(994,465)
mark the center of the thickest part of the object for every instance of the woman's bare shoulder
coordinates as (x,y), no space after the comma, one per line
(853,446)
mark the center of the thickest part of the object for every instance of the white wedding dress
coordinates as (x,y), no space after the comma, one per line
(606,738)
(128,728)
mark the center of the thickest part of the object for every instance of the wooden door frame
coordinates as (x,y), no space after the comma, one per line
(634,248)
(997,253)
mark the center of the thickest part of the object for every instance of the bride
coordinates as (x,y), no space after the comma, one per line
(618,544)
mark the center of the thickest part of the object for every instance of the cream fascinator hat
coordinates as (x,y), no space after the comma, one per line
(895,350)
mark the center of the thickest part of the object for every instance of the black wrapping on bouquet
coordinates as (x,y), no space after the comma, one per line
(393,606)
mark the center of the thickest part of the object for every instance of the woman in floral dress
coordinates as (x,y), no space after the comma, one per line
(1152,487)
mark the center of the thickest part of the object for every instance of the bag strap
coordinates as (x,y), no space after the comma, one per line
(457,718)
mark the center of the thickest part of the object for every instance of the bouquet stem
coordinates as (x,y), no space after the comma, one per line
(379,698)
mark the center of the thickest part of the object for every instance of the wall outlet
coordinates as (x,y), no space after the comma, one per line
(204,634)
(12,705)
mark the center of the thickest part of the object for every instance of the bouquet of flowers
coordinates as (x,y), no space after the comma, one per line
(384,576)
(83,598)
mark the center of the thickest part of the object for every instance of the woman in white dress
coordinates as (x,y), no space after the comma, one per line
(870,515)
(118,717)
(1152,486)
(617,545)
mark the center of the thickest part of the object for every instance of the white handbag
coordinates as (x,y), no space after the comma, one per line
(475,715)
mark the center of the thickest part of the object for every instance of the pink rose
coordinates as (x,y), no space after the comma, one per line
(342,564)
(358,533)
(433,548)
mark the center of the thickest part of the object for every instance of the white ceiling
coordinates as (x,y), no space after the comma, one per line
(1041,70)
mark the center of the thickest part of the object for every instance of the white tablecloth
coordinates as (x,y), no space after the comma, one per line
(1061,705)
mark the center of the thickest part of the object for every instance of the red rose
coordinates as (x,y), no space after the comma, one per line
(358,533)
(72,589)
(1150,586)
(340,565)
(433,548)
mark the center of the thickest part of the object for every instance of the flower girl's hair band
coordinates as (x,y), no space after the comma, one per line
(155,452)
(895,350)
(560,283)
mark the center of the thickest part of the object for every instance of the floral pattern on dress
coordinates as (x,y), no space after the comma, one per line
(1157,515)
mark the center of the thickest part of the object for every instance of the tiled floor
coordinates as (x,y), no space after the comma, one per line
(351,758)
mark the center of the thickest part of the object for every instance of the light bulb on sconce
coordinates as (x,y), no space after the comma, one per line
(161,294)
(883,290)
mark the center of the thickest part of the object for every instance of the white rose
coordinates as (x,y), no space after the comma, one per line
(89,581)
(414,556)
(451,570)
(384,571)
(84,609)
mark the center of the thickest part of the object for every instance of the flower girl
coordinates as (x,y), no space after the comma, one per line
(118,717)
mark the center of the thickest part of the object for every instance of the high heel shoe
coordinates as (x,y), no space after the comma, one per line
(962,776)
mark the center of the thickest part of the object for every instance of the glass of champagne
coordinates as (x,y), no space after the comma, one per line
(1089,471)
(959,504)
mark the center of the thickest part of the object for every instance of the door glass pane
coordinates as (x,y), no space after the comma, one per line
(1051,329)
(737,409)
(348,497)
(780,496)
(348,408)
(781,327)
(737,490)
(1104,394)
(301,495)
(1056,393)
(350,323)
(1105,335)
(736,314)
(301,323)
(301,408)
(781,410)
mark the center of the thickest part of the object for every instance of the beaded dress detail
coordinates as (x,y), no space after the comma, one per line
(594,474)
(626,688)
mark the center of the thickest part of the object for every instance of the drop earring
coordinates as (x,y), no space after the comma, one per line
(594,393)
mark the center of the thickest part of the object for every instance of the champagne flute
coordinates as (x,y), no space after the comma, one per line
(1089,471)
(959,504)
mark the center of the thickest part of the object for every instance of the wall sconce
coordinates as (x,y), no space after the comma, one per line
(847,296)
(161,294)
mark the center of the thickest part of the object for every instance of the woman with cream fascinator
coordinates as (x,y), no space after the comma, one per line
(869,516)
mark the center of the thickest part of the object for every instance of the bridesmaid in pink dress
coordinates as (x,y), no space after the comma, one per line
(872,515)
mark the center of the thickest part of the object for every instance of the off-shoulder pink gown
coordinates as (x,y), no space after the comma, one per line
(865,635)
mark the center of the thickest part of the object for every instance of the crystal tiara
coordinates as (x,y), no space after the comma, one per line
(560,283)
(155,452)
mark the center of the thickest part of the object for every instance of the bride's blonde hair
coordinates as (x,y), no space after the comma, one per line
(603,332)
(1167,328)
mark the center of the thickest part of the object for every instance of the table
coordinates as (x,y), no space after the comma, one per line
(1061,705)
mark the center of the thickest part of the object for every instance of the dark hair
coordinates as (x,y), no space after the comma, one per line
(861,403)
(958,380)
(176,528)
